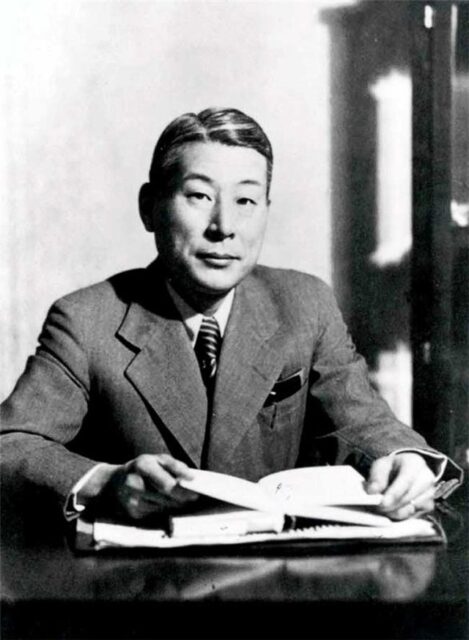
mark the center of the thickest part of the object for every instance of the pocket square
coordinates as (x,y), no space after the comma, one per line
(286,387)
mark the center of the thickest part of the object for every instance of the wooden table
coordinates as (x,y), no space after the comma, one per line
(296,591)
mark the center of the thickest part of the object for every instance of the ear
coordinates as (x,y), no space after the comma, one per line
(146,203)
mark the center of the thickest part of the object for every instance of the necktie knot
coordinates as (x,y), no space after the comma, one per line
(207,348)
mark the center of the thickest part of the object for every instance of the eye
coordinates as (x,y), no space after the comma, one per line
(246,201)
(198,196)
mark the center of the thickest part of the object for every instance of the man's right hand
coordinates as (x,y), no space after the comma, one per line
(144,486)
(149,484)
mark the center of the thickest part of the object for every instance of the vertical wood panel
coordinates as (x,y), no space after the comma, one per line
(432,254)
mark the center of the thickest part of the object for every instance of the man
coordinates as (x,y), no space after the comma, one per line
(130,387)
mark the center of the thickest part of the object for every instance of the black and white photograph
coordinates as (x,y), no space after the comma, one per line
(234,274)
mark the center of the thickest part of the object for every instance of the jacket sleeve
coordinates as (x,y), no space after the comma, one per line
(364,427)
(46,410)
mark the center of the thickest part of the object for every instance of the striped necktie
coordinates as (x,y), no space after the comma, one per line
(207,348)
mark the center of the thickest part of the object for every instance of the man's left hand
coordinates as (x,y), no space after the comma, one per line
(406,482)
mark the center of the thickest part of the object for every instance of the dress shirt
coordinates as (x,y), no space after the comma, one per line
(192,319)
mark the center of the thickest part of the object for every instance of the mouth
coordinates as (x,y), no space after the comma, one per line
(215,259)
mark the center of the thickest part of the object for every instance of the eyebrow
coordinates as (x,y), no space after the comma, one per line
(254,182)
(197,176)
(204,178)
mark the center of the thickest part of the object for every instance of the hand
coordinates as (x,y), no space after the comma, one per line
(406,482)
(149,484)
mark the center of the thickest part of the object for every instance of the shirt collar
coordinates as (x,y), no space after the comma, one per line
(192,319)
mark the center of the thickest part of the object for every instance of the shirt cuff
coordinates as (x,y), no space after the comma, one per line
(448,475)
(73,507)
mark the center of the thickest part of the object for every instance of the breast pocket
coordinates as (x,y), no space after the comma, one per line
(280,421)
(286,387)
(285,403)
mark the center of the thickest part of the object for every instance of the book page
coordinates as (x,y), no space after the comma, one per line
(321,493)
(301,488)
(231,489)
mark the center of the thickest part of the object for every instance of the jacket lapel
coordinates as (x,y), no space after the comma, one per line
(249,365)
(164,369)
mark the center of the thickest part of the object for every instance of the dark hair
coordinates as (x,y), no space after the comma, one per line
(227,126)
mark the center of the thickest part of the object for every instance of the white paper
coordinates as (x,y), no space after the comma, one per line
(106,534)
(322,493)
(327,485)
(230,489)
(226,520)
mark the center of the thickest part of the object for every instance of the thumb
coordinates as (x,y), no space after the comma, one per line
(379,476)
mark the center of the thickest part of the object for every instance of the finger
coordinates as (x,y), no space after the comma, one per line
(133,481)
(157,477)
(154,474)
(425,504)
(177,468)
(410,481)
(421,489)
(139,504)
(143,486)
(405,475)
(177,495)
(137,508)
(127,493)
(184,495)
(379,476)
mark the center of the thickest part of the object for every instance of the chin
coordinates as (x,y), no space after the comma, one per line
(218,281)
(216,287)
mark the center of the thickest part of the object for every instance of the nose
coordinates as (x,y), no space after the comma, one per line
(222,220)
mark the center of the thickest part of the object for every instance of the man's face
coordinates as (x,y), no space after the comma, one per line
(209,231)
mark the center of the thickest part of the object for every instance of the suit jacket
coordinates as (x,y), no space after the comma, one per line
(115,376)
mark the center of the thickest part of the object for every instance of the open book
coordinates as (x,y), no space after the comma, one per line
(323,493)
(297,504)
